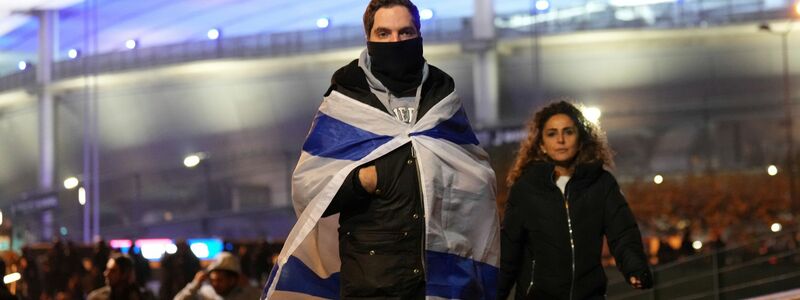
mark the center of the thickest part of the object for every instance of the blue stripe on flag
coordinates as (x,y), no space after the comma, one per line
(269,281)
(456,129)
(297,277)
(454,277)
(332,138)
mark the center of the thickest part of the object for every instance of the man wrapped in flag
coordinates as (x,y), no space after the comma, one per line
(395,199)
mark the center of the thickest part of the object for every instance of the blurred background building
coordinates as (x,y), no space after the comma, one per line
(183,119)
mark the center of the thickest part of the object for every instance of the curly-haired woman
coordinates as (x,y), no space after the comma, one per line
(561,203)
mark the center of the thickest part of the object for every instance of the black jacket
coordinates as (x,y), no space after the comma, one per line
(381,235)
(537,235)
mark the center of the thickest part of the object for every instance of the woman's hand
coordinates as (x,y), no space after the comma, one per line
(635,282)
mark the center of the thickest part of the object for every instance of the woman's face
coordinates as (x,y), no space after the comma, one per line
(560,139)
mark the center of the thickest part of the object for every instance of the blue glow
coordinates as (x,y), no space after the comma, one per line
(205,248)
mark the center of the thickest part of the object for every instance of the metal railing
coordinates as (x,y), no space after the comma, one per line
(766,265)
(580,18)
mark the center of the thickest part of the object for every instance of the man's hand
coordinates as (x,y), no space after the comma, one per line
(199,277)
(369,178)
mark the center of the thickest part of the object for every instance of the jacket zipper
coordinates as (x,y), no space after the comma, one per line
(422,200)
(571,238)
(571,243)
(533,268)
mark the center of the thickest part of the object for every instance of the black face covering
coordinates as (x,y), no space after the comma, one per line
(397,65)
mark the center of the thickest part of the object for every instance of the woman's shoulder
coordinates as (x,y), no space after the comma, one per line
(533,175)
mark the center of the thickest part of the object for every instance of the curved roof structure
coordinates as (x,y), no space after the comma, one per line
(158,22)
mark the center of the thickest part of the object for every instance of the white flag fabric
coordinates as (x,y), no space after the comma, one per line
(458,190)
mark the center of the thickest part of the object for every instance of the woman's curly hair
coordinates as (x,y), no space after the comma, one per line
(593,146)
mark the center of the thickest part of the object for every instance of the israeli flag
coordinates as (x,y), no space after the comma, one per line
(458,190)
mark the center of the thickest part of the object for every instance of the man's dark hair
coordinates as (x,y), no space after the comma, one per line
(123,262)
(227,273)
(375,5)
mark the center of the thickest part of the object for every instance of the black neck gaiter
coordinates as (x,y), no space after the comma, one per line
(398,65)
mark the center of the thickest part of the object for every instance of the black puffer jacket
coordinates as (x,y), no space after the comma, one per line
(381,235)
(539,231)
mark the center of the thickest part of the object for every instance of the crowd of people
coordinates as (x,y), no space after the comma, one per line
(719,209)
(64,270)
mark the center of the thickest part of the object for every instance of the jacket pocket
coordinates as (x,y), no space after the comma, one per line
(381,241)
(531,285)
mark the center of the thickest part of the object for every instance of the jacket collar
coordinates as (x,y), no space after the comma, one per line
(584,175)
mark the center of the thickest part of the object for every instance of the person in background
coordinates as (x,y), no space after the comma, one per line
(179,269)
(5,293)
(226,281)
(561,204)
(120,282)
(141,265)
(100,254)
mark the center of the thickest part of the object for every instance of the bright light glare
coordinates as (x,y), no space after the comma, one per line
(426,14)
(776,227)
(697,245)
(120,243)
(772,170)
(619,3)
(592,114)
(152,251)
(205,248)
(323,22)
(71,183)
(171,248)
(11,278)
(213,34)
(797,8)
(658,179)
(191,161)
(155,248)
(22,65)
(72,53)
(1,217)
(200,250)
(131,44)
(82,196)
(542,5)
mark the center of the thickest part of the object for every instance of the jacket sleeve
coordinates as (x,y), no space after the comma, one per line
(189,292)
(624,238)
(512,241)
(351,189)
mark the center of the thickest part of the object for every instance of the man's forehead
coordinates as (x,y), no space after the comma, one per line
(393,14)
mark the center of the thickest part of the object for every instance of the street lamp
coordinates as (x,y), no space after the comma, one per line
(787,102)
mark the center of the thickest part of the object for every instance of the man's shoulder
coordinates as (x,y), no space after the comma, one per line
(249,292)
(439,81)
(100,294)
(438,74)
(350,76)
